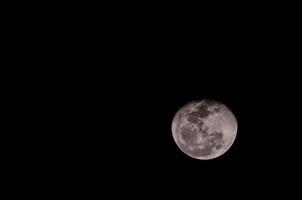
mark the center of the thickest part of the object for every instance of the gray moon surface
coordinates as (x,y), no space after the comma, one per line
(204,129)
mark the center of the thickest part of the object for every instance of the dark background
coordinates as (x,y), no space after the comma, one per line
(99,97)
(112,122)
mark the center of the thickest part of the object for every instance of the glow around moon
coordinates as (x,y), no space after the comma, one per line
(204,129)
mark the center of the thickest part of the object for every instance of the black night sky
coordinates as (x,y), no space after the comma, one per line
(104,104)
(122,113)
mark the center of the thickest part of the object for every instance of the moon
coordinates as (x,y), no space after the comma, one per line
(204,129)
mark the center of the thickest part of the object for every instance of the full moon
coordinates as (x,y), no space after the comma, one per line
(204,129)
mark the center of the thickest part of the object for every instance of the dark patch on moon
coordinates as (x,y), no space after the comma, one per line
(193,118)
(188,136)
(205,133)
(215,140)
(203,111)
(217,135)
(213,103)
(218,146)
(217,109)
(199,125)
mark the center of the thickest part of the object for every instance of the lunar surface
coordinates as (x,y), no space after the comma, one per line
(204,129)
